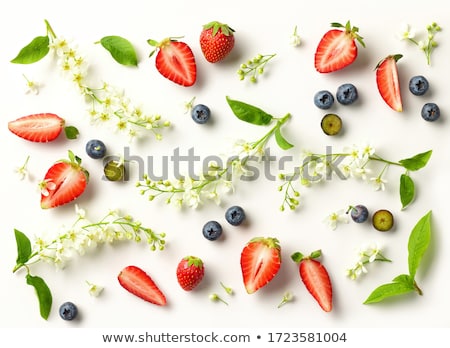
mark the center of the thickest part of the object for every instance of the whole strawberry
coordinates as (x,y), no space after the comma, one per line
(316,279)
(190,272)
(216,41)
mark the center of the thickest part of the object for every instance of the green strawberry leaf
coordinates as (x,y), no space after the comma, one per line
(407,190)
(416,162)
(23,247)
(71,132)
(419,240)
(400,285)
(43,293)
(34,51)
(281,140)
(121,50)
(249,113)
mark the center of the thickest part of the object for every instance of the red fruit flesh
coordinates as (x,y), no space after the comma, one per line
(317,281)
(260,262)
(176,62)
(64,182)
(388,82)
(40,128)
(336,50)
(136,281)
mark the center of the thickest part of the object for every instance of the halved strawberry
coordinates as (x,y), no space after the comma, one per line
(139,283)
(43,127)
(175,61)
(64,181)
(260,262)
(316,279)
(388,82)
(337,48)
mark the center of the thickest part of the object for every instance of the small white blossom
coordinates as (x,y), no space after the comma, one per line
(406,32)
(378,183)
(22,171)
(32,87)
(295,40)
(45,186)
(94,290)
(334,218)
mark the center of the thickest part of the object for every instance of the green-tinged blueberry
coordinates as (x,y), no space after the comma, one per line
(383,220)
(114,170)
(331,124)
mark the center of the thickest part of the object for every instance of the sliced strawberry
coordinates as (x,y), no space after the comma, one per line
(139,283)
(388,82)
(337,48)
(316,279)
(40,128)
(64,181)
(175,61)
(260,262)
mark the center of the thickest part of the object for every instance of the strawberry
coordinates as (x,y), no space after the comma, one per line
(139,283)
(260,262)
(337,48)
(39,128)
(175,61)
(388,81)
(216,41)
(64,181)
(190,272)
(316,279)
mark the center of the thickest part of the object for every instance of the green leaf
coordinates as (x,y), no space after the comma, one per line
(121,50)
(34,51)
(418,242)
(23,247)
(71,132)
(43,293)
(249,113)
(416,162)
(398,287)
(281,140)
(407,190)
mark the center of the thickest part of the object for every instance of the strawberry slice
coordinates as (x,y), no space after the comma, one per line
(388,82)
(64,181)
(41,128)
(337,48)
(175,61)
(139,283)
(316,279)
(260,262)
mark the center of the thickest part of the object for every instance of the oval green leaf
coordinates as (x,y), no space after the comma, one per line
(281,140)
(418,242)
(407,190)
(23,247)
(388,290)
(34,51)
(71,132)
(249,113)
(120,49)
(416,162)
(43,293)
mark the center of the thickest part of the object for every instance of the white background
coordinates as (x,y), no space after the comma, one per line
(288,86)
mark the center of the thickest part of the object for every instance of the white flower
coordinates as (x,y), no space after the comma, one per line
(334,218)
(295,40)
(45,186)
(378,183)
(94,290)
(81,213)
(31,86)
(406,32)
(60,45)
(360,171)
(22,171)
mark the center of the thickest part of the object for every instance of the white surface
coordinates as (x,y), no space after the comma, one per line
(288,86)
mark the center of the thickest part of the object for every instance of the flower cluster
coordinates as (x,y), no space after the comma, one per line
(365,255)
(352,162)
(254,67)
(83,235)
(107,104)
(427,45)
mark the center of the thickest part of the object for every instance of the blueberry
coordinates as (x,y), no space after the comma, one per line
(114,170)
(430,112)
(323,99)
(418,85)
(235,215)
(95,149)
(359,213)
(212,230)
(331,124)
(200,113)
(68,311)
(346,94)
